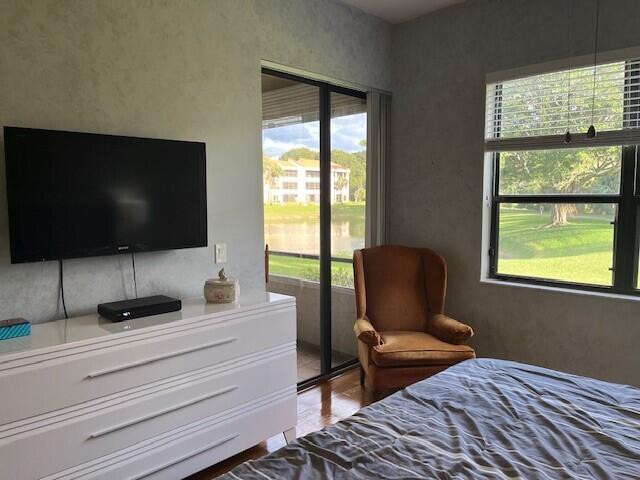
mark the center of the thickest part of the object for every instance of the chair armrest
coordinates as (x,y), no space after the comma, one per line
(449,330)
(366,333)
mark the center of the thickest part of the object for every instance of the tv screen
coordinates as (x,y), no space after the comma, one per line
(76,195)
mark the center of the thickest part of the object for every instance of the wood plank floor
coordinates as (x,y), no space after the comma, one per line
(319,406)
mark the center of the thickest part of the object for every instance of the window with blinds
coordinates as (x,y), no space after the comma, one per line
(536,111)
(566,213)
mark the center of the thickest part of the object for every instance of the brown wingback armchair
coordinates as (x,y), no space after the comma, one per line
(403,334)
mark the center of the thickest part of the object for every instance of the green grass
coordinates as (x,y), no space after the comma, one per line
(308,269)
(579,252)
(297,212)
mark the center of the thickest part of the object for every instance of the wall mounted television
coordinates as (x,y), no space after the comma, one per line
(73,195)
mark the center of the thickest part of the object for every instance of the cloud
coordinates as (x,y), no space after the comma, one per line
(346,134)
(276,141)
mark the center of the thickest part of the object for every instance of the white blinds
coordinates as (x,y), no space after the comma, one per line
(535,112)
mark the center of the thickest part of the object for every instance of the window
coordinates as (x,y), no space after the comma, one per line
(565,210)
(313,174)
(290,173)
(313,185)
(290,185)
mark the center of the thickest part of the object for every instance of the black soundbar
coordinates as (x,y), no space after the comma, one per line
(139,307)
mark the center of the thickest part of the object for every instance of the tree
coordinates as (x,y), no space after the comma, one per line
(300,153)
(340,182)
(534,107)
(356,163)
(360,195)
(271,171)
(568,171)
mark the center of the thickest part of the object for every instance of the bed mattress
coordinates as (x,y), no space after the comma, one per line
(482,418)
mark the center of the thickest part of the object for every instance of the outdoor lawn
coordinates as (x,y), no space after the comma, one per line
(296,212)
(308,269)
(578,252)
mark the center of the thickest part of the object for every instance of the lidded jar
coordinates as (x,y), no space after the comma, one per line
(221,289)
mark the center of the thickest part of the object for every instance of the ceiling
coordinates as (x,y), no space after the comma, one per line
(398,11)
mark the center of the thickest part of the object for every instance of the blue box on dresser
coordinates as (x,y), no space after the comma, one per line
(14,327)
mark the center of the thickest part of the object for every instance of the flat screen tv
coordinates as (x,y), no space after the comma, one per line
(74,195)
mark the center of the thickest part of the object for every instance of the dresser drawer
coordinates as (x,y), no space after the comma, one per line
(34,389)
(194,447)
(166,406)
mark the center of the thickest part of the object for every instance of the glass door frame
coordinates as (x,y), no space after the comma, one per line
(325,91)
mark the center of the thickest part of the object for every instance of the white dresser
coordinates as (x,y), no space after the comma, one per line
(158,397)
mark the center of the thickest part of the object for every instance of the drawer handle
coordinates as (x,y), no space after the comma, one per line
(157,358)
(185,457)
(173,408)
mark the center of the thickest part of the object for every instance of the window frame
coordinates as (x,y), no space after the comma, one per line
(626,242)
(626,227)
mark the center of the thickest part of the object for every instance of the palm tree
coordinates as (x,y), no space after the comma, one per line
(340,183)
(271,171)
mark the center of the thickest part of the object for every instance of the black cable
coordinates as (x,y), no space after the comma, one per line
(595,59)
(135,282)
(64,305)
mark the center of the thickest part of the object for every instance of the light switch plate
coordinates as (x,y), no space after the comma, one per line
(221,253)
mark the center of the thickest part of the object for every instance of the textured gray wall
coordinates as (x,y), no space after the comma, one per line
(436,177)
(169,69)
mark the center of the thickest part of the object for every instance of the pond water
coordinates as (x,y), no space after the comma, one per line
(300,236)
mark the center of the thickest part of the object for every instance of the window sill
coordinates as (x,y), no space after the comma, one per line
(572,291)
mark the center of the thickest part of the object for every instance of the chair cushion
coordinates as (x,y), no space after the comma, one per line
(417,348)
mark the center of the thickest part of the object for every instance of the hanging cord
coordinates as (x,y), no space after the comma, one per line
(567,136)
(591,132)
(135,281)
(61,277)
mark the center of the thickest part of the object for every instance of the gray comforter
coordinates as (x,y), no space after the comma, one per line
(480,419)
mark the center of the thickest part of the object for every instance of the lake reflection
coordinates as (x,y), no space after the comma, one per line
(304,237)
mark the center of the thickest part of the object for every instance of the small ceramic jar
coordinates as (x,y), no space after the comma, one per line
(221,289)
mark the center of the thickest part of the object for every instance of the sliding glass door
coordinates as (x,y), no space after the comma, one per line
(314,184)
(348,197)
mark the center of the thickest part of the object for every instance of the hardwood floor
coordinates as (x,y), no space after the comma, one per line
(309,360)
(318,406)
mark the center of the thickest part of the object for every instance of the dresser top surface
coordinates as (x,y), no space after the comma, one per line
(89,327)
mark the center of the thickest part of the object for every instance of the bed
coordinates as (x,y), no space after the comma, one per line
(482,418)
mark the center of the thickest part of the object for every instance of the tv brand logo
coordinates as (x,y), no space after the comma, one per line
(123,248)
